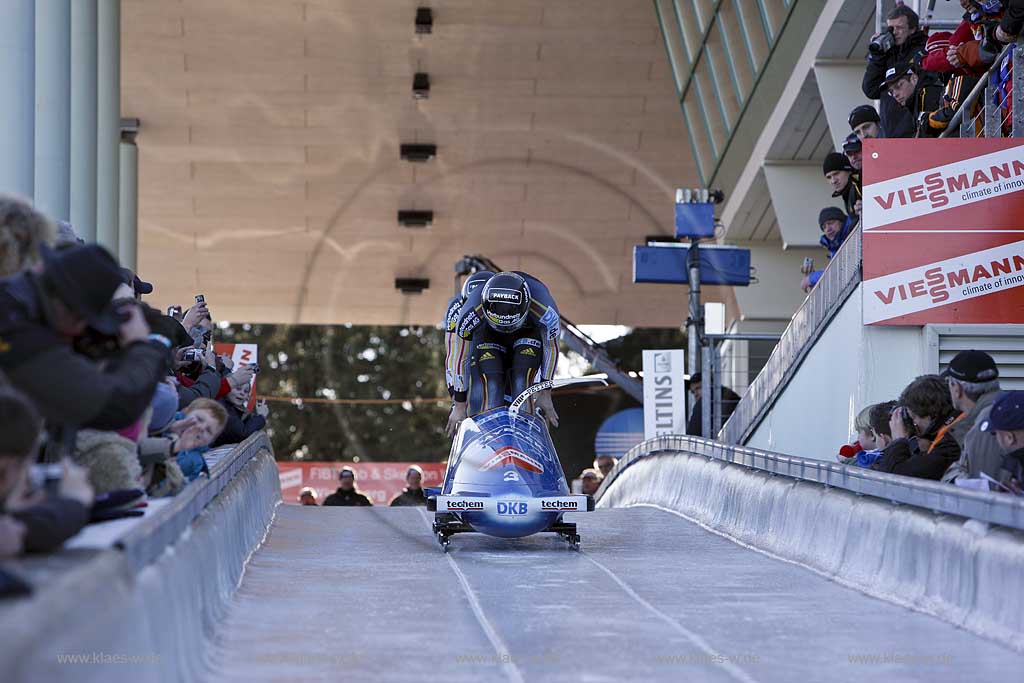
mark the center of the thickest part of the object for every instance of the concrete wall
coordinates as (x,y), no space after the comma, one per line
(164,615)
(849,367)
(964,572)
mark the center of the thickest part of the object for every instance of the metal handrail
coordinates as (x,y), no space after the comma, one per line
(994,508)
(972,97)
(837,283)
(145,542)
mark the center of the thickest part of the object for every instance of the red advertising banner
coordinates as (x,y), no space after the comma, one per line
(943,238)
(378,481)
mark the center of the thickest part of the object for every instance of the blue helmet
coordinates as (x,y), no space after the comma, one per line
(474,281)
(506,302)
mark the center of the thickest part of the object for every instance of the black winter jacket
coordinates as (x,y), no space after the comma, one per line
(67,387)
(347,498)
(904,456)
(409,498)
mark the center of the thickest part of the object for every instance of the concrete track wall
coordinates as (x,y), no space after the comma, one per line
(965,572)
(154,625)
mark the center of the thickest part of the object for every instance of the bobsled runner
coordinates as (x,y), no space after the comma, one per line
(504,478)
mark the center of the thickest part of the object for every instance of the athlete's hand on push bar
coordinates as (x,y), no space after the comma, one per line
(542,401)
(458,414)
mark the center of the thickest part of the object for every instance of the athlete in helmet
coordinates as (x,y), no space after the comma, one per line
(451,317)
(509,324)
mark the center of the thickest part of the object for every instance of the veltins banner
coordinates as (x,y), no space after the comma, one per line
(664,392)
(943,238)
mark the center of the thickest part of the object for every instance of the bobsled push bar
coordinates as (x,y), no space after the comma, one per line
(521,399)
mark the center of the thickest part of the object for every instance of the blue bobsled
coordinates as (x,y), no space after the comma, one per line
(504,478)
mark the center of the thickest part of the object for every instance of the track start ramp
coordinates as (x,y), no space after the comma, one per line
(365,594)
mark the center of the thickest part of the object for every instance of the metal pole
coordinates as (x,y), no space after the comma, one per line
(128,210)
(17,114)
(716,397)
(1018,88)
(695,315)
(879,11)
(108,122)
(53,108)
(706,401)
(83,118)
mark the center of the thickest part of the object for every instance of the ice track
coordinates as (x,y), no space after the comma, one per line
(366,594)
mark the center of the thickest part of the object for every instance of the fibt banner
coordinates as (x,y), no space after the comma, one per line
(943,231)
(664,393)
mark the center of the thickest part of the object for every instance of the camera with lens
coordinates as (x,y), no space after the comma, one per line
(883,43)
(905,418)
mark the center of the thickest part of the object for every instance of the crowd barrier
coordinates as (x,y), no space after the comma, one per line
(145,610)
(953,553)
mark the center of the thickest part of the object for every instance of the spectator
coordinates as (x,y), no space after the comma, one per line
(936,49)
(1012,22)
(604,464)
(973,380)
(902,43)
(730,399)
(591,480)
(917,91)
(23,230)
(864,122)
(347,494)
(42,312)
(43,523)
(241,422)
(865,439)
(835,227)
(307,496)
(204,420)
(413,493)
(852,149)
(1006,423)
(881,433)
(845,182)
(922,445)
(974,45)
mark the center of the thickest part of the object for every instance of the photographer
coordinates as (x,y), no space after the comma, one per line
(901,43)
(922,444)
(43,312)
(198,371)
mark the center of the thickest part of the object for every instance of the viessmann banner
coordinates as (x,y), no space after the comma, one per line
(943,237)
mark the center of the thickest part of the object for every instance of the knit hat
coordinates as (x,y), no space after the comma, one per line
(863,114)
(830,213)
(165,405)
(938,42)
(836,162)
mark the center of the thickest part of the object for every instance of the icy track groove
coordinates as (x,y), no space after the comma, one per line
(340,593)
